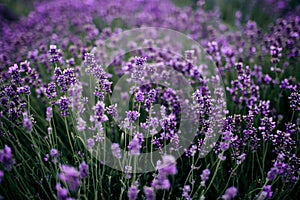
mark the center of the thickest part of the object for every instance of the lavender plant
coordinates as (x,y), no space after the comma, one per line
(188,132)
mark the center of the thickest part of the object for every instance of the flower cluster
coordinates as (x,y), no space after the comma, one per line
(59,70)
(165,168)
(71,177)
(6,157)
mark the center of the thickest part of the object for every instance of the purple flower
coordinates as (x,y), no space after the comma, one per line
(52,49)
(62,193)
(161,182)
(204,176)
(99,112)
(83,169)
(6,157)
(116,151)
(266,127)
(70,78)
(140,61)
(90,143)
(80,124)
(139,96)
(64,104)
(65,79)
(24,66)
(57,72)
(186,191)
(189,55)
(55,54)
(51,91)
(266,193)
(134,146)
(24,90)
(132,192)
(275,53)
(224,146)
(132,116)
(89,59)
(46,158)
(27,124)
(128,171)
(272,174)
(54,155)
(49,114)
(151,95)
(75,97)
(241,158)
(230,193)
(294,99)
(168,165)
(99,137)
(70,62)
(70,176)
(112,111)
(138,69)
(165,168)
(1,175)
(149,193)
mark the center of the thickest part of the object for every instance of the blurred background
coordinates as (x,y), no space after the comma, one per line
(263,12)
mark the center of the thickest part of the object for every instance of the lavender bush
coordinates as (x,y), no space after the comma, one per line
(90,110)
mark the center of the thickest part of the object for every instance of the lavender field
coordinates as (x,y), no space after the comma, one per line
(150,99)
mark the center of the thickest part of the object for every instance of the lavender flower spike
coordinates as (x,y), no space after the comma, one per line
(204,176)
(6,157)
(83,169)
(149,193)
(27,124)
(230,193)
(132,192)
(70,176)
(116,151)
